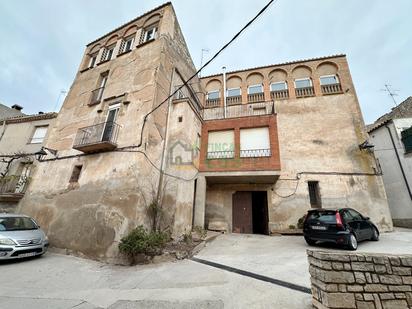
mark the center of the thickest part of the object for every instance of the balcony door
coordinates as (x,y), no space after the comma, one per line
(109,125)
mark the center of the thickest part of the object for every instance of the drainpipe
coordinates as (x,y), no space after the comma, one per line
(399,161)
(224,90)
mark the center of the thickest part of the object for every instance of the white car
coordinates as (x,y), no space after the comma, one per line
(21,237)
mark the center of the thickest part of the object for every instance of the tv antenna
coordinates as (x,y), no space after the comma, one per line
(62,92)
(391,92)
(204,50)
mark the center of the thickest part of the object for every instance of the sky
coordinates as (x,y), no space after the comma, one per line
(43,41)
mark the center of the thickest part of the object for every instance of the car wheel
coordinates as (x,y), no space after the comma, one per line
(310,242)
(352,243)
(375,234)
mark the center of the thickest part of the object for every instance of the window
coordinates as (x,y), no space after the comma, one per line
(213,95)
(329,80)
(108,53)
(97,94)
(254,142)
(221,144)
(76,173)
(39,135)
(278,86)
(93,58)
(126,44)
(406,137)
(356,216)
(148,34)
(314,194)
(255,89)
(180,118)
(233,92)
(303,83)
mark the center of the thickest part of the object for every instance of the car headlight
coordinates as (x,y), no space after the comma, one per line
(46,239)
(7,241)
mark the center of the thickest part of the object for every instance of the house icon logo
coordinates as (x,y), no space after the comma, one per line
(182,154)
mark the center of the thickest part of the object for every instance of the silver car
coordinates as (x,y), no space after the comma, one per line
(20,237)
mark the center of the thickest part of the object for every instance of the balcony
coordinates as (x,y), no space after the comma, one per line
(234,100)
(229,154)
(96,138)
(304,92)
(256,97)
(331,89)
(279,94)
(240,110)
(12,187)
(212,103)
(97,95)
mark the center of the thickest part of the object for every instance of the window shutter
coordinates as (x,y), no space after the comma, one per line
(122,46)
(142,35)
(221,144)
(104,54)
(407,139)
(255,142)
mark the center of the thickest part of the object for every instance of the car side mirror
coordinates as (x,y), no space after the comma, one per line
(366,218)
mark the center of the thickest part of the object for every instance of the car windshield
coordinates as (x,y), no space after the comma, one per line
(17,224)
(323,216)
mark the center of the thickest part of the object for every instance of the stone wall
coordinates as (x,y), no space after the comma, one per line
(360,280)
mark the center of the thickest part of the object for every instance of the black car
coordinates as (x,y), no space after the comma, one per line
(343,226)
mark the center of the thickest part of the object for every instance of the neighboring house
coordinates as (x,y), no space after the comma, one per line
(20,137)
(391,135)
(7,112)
(288,141)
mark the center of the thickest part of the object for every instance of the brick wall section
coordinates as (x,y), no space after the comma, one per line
(360,280)
(237,163)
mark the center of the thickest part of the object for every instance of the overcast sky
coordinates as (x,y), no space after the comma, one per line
(43,41)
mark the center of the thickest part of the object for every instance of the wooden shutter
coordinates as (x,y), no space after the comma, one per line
(104,54)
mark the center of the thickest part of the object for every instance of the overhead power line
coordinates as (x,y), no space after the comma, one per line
(203,66)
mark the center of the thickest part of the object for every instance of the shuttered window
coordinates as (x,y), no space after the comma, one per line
(77,169)
(314,194)
(39,135)
(255,142)
(221,144)
(407,139)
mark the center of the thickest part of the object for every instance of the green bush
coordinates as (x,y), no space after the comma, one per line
(301,221)
(141,241)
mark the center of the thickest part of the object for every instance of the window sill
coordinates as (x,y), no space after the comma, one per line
(94,103)
(86,69)
(124,53)
(104,61)
(144,43)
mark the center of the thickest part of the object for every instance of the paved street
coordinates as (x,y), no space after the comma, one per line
(57,281)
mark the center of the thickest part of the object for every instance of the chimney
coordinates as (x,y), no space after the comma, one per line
(41,113)
(17,107)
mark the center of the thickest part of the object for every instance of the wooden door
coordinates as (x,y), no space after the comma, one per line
(242,221)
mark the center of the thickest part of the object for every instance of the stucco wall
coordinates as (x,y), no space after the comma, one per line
(399,200)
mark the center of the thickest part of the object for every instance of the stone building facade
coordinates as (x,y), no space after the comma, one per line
(21,136)
(312,157)
(128,134)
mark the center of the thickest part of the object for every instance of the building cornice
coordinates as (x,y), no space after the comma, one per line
(28,118)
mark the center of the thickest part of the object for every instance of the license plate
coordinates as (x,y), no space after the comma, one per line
(23,255)
(316,227)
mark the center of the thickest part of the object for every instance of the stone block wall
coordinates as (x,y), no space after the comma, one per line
(360,280)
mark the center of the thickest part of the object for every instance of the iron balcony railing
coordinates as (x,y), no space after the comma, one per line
(13,184)
(240,110)
(228,154)
(255,153)
(256,97)
(279,94)
(102,132)
(97,95)
(304,92)
(332,88)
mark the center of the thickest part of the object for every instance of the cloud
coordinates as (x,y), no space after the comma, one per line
(43,41)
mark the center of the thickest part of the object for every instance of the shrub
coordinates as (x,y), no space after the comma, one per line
(292,227)
(301,221)
(141,241)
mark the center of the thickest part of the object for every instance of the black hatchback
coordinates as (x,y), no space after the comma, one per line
(343,226)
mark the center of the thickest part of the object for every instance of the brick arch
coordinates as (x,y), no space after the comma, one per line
(327,68)
(213,84)
(254,78)
(94,49)
(129,31)
(278,75)
(301,71)
(234,81)
(152,20)
(113,39)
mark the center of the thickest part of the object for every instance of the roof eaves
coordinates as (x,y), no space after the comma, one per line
(278,64)
(129,22)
